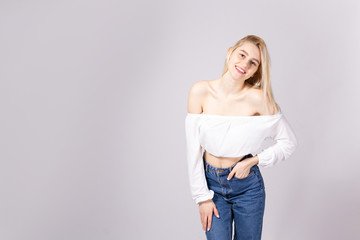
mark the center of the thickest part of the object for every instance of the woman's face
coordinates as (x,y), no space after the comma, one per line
(244,61)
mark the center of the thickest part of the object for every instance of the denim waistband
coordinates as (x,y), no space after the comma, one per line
(222,171)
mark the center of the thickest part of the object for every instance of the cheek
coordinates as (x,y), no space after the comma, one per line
(255,69)
(231,62)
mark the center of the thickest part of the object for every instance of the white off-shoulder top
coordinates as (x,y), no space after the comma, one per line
(234,136)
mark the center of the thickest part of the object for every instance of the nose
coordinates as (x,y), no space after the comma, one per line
(246,66)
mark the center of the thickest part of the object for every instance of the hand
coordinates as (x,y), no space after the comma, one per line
(241,170)
(206,209)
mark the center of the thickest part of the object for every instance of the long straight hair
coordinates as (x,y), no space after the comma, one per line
(261,78)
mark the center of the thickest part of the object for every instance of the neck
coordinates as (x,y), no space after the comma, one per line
(230,86)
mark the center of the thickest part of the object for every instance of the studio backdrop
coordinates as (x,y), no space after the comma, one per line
(93,99)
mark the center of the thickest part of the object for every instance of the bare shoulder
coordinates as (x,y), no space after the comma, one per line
(257,99)
(197,94)
(199,87)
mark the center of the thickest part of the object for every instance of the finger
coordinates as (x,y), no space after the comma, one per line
(216,212)
(243,175)
(203,223)
(209,222)
(231,174)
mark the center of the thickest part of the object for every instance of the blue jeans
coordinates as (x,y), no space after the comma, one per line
(238,200)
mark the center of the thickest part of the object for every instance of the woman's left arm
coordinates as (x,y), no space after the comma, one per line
(285,145)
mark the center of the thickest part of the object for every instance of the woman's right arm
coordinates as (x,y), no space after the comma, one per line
(198,185)
(199,189)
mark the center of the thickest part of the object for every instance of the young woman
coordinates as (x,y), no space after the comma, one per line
(227,122)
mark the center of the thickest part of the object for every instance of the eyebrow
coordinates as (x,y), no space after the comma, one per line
(248,55)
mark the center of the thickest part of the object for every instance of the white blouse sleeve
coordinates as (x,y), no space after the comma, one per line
(285,145)
(198,185)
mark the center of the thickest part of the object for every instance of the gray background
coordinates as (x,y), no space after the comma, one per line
(93,99)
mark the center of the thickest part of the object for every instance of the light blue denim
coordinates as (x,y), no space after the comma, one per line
(238,200)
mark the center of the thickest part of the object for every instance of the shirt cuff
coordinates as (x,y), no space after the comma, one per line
(206,197)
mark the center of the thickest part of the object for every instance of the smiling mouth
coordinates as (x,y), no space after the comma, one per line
(242,71)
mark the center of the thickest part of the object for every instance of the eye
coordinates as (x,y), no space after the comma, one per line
(253,63)
(242,55)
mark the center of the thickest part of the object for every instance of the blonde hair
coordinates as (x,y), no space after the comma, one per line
(261,77)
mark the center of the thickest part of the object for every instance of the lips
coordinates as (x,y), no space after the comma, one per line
(240,70)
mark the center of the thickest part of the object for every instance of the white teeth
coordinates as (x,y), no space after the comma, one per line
(240,69)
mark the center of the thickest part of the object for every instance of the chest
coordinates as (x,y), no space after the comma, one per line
(240,106)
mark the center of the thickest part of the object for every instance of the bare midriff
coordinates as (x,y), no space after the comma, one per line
(220,162)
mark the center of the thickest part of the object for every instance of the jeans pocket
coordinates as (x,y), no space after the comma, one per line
(251,173)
